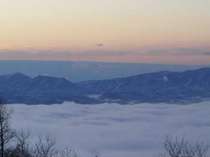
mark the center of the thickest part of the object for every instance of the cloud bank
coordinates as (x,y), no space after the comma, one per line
(113,130)
(185,55)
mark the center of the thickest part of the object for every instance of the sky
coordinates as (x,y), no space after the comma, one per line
(149,31)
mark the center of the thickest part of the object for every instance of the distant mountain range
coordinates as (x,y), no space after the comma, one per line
(83,71)
(168,87)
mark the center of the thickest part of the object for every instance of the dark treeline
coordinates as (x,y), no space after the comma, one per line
(18,143)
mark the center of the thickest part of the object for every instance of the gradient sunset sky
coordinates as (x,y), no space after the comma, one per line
(150,31)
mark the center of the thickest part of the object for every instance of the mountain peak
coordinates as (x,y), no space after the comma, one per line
(18,75)
(175,87)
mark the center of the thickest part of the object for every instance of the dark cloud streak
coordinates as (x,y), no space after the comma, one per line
(35,54)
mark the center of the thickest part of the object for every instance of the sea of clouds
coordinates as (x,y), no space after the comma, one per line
(113,130)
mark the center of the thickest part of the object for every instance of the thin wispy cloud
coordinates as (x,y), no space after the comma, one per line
(143,51)
(100,45)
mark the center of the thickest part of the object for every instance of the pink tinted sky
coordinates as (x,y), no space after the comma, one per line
(160,31)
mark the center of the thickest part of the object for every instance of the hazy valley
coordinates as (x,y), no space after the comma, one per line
(114,130)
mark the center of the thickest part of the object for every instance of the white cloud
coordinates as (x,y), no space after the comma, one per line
(114,130)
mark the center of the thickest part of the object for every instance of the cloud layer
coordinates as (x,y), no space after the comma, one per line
(173,55)
(113,130)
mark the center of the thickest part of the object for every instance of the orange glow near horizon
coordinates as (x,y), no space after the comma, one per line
(132,26)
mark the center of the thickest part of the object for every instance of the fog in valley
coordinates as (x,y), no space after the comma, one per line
(113,130)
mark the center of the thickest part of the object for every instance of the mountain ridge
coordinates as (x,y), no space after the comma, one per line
(159,87)
(77,71)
